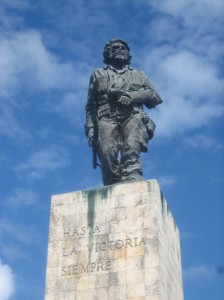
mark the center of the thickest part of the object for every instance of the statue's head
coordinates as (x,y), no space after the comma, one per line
(116,50)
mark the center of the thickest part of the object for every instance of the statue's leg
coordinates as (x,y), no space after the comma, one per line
(131,168)
(108,149)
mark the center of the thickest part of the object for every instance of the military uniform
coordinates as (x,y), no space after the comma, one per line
(117,128)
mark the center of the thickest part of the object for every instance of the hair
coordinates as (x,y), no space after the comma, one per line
(107,48)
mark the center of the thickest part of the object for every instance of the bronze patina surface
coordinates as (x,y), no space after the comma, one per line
(117,127)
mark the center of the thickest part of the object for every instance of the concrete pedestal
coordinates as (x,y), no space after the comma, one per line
(115,242)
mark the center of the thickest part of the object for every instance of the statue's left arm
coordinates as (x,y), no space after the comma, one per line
(143,92)
(91,116)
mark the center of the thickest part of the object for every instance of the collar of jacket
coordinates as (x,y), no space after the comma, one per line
(118,71)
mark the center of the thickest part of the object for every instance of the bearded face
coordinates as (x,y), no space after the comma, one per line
(118,53)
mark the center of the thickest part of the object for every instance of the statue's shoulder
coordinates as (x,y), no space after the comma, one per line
(99,72)
(137,72)
(138,75)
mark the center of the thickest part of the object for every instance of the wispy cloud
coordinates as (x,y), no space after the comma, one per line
(22,197)
(76,15)
(9,123)
(28,64)
(7,282)
(188,10)
(167,180)
(203,272)
(18,232)
(44,161)
(183,55)
(191,91)
(70,106)
(14,236)
(30,68)
(201,141)
(9,21)
(17,4)
(199,273)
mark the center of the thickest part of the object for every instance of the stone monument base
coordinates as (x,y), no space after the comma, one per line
(116,242)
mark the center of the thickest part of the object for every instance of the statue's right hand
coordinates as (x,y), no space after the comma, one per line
(90,136)
(125,100)
(91,140)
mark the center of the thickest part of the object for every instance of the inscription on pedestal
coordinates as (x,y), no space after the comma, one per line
(106,245)
(118,242)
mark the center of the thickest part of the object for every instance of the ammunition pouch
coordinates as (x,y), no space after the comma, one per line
(147,128)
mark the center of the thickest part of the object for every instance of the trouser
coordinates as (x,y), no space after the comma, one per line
(119,149)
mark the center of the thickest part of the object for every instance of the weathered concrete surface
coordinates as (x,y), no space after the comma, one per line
(116,242)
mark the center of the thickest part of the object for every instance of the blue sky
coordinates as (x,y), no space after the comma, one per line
(48,50)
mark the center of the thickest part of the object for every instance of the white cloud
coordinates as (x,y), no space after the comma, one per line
(28,68)
(189,9)
(16,4)
(167,180)
(190,76)
(43,161)
(26,62)
(18,232)
(9,124)
(74,139)
(200,141)
(7,282)
(183,56)
(192,92)
(22,197)
(70,106)
(199,273)
(7,20)
(15,238)
(180,115)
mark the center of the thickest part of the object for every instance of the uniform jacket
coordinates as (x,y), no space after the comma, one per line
(107,85)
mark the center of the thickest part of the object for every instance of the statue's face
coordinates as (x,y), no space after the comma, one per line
(119,52)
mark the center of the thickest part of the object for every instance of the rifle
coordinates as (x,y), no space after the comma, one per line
(94,146)
(95,163)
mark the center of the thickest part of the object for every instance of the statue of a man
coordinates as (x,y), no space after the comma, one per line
(116,126)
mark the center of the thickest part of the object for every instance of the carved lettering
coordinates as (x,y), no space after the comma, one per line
(103,246)
(108,265)
(63,271)
(118,244)
(128,242)
(69,270)
(97,229)
(70,232)
(142,241)
(83,230)
(99,265)
(93,265)
(67,252)
(110,243)
(86,268)
(97,247)
(75,269)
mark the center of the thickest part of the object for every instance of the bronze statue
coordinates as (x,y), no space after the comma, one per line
(117,127)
